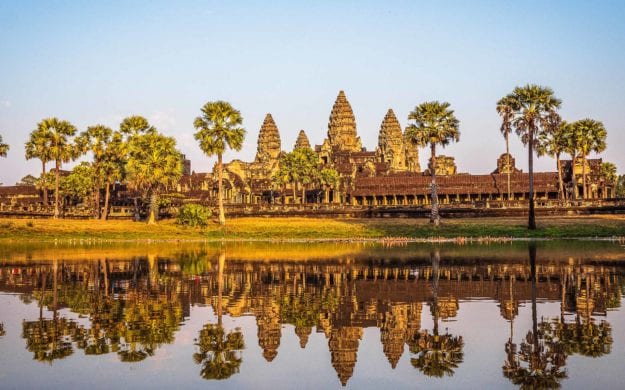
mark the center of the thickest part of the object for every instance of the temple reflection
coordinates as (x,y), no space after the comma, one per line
(131,307)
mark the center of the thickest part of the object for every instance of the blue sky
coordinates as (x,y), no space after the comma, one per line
(98,62)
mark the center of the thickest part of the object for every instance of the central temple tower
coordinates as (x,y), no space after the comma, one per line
(342,127)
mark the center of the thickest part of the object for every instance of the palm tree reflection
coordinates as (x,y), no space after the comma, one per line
(219,352)
(437,355)
(539,361)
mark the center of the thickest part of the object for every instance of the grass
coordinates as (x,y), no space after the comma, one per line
(19,230)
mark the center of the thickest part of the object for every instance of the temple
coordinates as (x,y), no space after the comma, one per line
(389,176)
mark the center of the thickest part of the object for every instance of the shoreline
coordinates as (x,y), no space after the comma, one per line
(310,230)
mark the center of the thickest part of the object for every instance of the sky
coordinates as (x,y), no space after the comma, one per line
(98,62)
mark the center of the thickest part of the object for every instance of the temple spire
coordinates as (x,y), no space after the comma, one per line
(302,141)
(268,141)
(391,143)
(342,126)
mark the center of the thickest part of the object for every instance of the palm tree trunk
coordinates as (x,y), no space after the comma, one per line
(434,218)
(560,183)
(96,193)
(294,195)
(573,177)
(220,282)
(508,162)
(153,208)
(436,259)
(303,193)
(585,193)
(531,224)
(44,184)
(220,196)
(56,189)
(107,196)
(532,254)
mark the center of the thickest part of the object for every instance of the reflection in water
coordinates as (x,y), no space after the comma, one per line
(438,355)
(131,307)
(219,353)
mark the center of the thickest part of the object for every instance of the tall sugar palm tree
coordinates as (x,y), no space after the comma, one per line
(434,124)
(554,142)
(153,164)
(505,110)
(112,166)
(531,105)
(95,140)
(37,147)
(219,128)
(4,148)
(56,138)
(589,136)
(135,125)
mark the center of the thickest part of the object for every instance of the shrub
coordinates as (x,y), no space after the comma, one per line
(194,215)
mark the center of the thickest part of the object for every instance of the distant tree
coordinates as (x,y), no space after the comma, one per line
(57,135)
(330,180)
(620,187)
(553,142)
(4,148)
(37,147)
(112,166)
(135,125)
(505,110)
(95,140)
(608,174)
(153,164)
(588,135)
(532,105)
(434,124)
(219,128)
(78,185)
(306,165)
(28,180)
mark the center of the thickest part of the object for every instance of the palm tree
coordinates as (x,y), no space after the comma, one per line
(112,166)
(4,148)
(153,164)
(554,142)
(36,147)
(56,135)
(608,173)
(505,110)
(95,140)
(588,136)
(135,125)
(531,105)
(219,128)
(329,179)
(434,124)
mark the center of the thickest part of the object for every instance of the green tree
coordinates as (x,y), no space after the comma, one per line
(95,140)
(330,180)
(306,166)
(57,139)
(37,147)
(79,183)
(135,125)
(609,176)
(28,180)
(554,142)
(434,124)
(153,165)
(4,148)
(112,166)
(588,135)
(620,187)
(531,107)
(505,110)
(219,127)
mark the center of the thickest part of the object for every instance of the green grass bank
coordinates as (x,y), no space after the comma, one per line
(269,229)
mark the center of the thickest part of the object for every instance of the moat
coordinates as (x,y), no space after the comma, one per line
(325,315)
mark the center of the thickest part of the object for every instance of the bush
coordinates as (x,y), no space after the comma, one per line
(194,215)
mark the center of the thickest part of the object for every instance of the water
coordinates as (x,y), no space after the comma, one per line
(313,316)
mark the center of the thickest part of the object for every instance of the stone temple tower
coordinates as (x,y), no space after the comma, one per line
(391,143)
(268,141)
(302,141)
(342,127)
